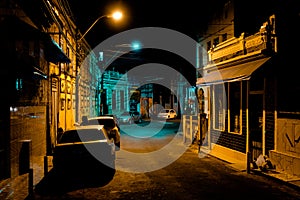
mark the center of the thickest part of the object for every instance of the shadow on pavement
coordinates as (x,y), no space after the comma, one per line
(58,183)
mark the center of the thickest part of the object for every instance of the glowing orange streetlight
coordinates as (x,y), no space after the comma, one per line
(117,15)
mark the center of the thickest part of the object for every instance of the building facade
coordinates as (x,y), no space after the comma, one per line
(40,63)
(244,75)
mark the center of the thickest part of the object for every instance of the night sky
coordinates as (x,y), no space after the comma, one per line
(186,17)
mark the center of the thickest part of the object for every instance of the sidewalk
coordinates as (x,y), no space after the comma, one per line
(20,187)
(293,181)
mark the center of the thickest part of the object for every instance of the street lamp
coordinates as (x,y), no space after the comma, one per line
(117,15)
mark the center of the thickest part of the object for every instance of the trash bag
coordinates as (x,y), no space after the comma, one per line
(263,163)
(260,161)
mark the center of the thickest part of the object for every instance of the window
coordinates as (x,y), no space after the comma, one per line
(19,84)
(216,41)
(200,97)
(87,135)
(224,37)
(113,100)
(107,122)
(122,102)
(219,106)
(234,110)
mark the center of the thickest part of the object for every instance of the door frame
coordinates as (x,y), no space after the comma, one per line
(256,111)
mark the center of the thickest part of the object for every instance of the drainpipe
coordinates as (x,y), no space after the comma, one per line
(248,153)
(264,120)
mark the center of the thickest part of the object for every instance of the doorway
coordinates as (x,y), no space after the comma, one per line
(256,124)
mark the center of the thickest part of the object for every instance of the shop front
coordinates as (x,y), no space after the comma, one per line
(240,107)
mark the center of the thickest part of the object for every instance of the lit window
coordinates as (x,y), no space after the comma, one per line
(234,102)
(219,108)
(19,84)
(216,41)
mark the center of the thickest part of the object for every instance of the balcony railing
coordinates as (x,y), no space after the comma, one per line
(234,48)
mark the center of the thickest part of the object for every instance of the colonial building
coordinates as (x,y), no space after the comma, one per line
(247,83)
(40,63)
(116,93)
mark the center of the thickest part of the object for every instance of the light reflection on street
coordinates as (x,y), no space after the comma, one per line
(139,155)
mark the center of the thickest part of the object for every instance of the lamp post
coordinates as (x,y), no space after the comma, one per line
(115,15)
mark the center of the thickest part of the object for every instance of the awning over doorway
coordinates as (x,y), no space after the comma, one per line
(53,51)
(26,30)
(236,72)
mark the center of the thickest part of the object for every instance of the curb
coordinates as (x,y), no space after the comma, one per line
(288,183)
(254,171)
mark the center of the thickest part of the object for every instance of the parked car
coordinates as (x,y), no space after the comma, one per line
(125,118)
(167,114)
(110,125)
(130,117)
(115,118)
(84,148)
(137,117)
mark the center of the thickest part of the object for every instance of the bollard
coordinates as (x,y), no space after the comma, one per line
(248,161)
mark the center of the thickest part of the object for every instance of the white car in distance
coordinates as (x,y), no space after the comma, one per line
(167,114)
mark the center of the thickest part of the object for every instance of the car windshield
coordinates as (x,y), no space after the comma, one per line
(81,136)
(165,111)
(105,121)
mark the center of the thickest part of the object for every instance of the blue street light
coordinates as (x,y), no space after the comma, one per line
(136,45)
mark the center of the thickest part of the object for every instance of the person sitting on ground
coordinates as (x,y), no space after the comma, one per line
(84,121)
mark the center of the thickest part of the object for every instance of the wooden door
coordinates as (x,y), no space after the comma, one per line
(256,124)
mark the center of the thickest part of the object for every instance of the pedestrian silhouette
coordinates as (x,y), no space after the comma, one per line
(84,121)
